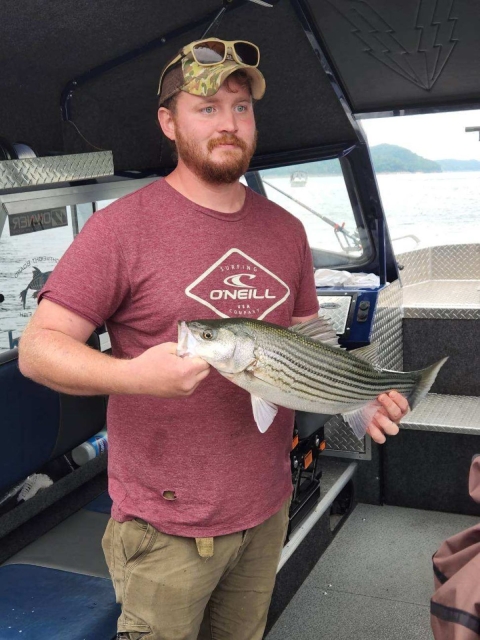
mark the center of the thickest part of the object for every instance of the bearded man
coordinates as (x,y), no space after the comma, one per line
(200,496)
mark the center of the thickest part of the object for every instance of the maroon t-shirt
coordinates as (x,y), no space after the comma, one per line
(142,264)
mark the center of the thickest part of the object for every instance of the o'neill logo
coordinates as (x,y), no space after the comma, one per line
(237,285)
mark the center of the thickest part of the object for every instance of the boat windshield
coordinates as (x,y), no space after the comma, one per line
(316,194)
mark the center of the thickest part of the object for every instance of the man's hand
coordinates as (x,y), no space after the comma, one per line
(160,372)
(394,407)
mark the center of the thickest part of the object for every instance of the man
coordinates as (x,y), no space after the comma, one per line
(200,496)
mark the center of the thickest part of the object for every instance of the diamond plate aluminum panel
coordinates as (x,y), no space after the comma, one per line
(449,414)
(446,262)
(456,262)
(387,331)
(443,299)
(387,327)
(340,437)
(416,265)
(31,172)
(436,313)
(336,309)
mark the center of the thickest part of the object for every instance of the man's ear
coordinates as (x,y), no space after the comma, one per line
(166,121)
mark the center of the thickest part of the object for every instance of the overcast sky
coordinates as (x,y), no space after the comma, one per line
(436,136)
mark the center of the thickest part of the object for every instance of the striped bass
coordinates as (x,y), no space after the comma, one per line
(300,368)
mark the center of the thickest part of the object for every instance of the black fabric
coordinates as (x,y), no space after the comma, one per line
(399,55)
(449,614)
(425,341)
(429,470)
(45,45)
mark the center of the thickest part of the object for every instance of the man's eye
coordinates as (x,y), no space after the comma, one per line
(207,109)
(241,108)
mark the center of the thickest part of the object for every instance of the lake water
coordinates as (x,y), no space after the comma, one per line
(440,208)
(437,208)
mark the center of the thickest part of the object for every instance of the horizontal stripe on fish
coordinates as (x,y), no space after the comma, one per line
(321,377)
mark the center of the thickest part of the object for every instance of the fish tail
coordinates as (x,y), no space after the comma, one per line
(427,378)
(23,296)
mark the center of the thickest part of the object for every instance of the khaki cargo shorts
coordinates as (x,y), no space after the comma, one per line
(176,588)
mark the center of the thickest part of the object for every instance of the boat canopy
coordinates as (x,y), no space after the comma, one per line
(81,76)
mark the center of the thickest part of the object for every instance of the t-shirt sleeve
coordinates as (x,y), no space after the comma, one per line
(306,302)
(91,278)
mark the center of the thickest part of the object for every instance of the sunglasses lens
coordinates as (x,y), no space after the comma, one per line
(247,53)
(209,52)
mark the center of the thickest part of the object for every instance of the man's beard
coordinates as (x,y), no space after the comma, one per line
(230,169)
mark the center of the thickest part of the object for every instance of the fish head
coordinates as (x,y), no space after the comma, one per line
(224,345)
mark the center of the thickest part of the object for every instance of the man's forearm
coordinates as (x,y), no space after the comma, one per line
(64,364)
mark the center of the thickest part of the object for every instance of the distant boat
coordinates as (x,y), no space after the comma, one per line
(298,179)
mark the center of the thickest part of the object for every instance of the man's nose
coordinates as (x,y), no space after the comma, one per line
(228,121)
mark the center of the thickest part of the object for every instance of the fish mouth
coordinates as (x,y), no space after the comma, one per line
(186,340)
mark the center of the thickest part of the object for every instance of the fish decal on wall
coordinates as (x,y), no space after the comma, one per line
(39,278)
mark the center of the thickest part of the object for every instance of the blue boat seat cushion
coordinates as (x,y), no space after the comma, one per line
(48,604)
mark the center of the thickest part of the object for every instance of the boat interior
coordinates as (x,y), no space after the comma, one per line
(78,130)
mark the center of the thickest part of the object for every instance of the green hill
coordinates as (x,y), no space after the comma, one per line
(390,158)
(387,158)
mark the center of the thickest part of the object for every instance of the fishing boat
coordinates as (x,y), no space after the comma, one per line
(298,179)
(77,112)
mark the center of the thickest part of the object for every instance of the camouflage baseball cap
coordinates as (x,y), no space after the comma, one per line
(186,74)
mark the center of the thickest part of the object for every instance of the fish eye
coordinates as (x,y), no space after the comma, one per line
(207,335)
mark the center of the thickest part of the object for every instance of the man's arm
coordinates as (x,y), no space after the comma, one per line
(394,407)
(52,351)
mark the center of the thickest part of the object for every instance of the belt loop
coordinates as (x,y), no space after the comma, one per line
(204,547)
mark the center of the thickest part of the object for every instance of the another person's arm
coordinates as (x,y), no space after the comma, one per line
(52,351)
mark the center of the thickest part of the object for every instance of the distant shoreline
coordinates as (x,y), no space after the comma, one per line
(386,158)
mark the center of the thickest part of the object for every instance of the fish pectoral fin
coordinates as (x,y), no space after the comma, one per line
(359,419)
(264,412)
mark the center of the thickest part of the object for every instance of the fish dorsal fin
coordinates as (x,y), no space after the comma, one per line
(368,354)
(264,412)
(318,329)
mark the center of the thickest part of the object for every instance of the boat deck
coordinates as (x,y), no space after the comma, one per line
(374,581)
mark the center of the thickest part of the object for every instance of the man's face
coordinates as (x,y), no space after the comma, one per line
(216,136)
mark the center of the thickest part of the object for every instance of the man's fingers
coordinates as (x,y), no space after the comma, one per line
(375,433)
(385,424)
(395,405)
(203,374)
(196,364)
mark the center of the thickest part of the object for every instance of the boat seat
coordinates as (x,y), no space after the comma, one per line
(58,586)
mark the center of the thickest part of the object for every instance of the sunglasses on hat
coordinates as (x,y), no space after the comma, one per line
(212,51)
